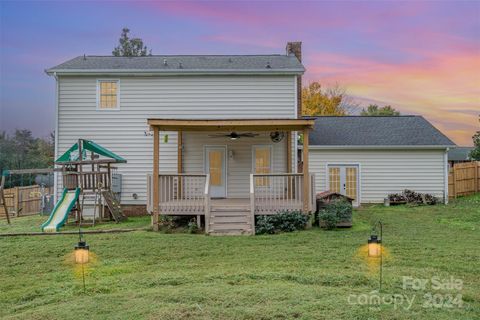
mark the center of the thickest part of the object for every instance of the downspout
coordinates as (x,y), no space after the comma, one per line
(445,166)
(55,174)
(295,134)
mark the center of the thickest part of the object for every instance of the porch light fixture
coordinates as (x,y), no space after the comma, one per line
(375,249)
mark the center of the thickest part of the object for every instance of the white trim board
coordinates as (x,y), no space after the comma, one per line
(373,147)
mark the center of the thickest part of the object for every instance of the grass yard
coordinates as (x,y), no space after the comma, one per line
(305,275)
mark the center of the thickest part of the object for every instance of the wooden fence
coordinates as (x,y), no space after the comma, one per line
(24,201)
(464,179)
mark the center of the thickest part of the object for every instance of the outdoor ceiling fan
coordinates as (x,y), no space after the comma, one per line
(234,135)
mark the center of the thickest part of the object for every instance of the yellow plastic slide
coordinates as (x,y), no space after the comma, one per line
(59,214)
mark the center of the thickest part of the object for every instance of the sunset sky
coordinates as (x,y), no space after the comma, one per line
(420,57)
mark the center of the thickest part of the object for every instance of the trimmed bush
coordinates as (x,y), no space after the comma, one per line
(334,212)
(284,221)
(329,218)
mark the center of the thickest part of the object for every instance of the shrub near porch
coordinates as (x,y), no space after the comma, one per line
(307,274)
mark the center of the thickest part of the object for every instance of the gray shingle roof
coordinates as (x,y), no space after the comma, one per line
(376,131)
(459,153)
(274,63)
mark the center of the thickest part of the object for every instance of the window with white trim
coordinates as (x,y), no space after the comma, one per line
(108,95)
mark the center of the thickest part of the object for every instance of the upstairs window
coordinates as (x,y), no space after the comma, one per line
(108,95)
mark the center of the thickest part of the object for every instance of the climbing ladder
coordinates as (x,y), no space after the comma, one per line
(114,206)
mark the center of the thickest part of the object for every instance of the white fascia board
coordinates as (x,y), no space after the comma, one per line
(130,72)
(373,147)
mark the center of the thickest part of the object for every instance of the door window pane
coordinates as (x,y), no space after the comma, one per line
(262,164)
(334,178)
(215,160)
(351,182)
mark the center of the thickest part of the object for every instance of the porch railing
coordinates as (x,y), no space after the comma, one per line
(180,194)
(270,193)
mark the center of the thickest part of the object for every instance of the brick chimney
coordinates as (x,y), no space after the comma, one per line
(295,48)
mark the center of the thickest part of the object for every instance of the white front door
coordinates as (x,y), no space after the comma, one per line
(215,165)
(343,179)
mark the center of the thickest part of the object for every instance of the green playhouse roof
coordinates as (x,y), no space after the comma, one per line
(72,153)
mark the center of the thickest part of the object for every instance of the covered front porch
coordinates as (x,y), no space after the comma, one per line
(229,171)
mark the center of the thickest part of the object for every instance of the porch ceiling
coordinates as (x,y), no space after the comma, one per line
(232,125)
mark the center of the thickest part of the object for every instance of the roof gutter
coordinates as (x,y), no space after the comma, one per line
(378,147)
(128,72)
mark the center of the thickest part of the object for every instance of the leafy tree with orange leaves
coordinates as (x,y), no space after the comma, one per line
(333,101)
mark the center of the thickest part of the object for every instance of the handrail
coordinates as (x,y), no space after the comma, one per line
(207,203)
(182,174)
(252,203)
(252,188)
(207,185)
(277,174)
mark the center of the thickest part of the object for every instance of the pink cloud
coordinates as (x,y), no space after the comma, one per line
(440,88)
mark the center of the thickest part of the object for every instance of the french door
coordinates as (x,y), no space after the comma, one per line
(343,179)
(215,165)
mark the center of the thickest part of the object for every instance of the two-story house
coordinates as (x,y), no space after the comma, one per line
(216,125)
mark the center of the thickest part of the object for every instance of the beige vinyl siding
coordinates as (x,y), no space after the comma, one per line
(385,171)
(239,167)
(181,97)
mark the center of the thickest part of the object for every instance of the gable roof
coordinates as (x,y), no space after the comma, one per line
(182,64)
(459,153)
(371,131)
(72,153)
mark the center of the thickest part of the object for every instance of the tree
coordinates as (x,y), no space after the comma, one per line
(332,101)
(375,110)
(475,153)
(23,151)
(130,47)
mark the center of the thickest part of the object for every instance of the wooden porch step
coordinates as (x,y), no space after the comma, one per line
(231,233)
(230,208)
(229,225)
(229,219)
(229,214)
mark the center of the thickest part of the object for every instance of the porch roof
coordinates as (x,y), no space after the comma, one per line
(232,124)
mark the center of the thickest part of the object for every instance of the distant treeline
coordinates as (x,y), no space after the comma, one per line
(23,151)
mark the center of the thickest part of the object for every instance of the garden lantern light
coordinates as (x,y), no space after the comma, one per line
(375,249)
(82,252)
(374,246)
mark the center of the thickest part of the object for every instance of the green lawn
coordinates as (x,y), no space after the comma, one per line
(306,275)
